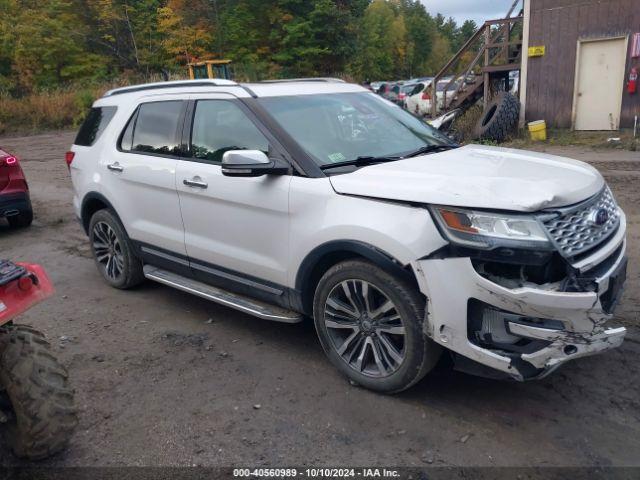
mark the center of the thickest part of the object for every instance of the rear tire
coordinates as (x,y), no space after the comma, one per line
(42,416)
(22,220)
(113,251)
(383,316)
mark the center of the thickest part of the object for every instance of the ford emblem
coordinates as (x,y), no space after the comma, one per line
(598,217)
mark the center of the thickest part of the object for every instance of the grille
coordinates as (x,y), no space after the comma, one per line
(574,231)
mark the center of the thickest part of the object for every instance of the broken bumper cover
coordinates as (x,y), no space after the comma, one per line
(559,326)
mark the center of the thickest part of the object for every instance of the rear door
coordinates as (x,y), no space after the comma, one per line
(140,178)
(236,229)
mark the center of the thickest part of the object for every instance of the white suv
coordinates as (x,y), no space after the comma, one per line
(317,198)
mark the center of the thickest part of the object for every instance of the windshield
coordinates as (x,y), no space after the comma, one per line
(340,127)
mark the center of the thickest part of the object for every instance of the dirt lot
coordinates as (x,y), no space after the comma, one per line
(164,378)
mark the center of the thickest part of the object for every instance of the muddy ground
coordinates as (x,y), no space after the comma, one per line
(165,378)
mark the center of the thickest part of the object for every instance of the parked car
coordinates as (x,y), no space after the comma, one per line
(419,100)
(383,88)
(375,86)
(318,199)
(420,79)
(392,94)
(392,91)
(405,90)
(15,202)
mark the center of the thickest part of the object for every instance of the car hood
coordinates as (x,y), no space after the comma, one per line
(479,177)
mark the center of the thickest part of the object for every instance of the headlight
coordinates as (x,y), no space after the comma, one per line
(487,230)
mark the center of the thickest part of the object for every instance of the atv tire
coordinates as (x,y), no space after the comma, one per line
(42,415)
(499,119)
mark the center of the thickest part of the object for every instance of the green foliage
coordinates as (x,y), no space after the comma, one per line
(83,99)
(374,59)
(56,43)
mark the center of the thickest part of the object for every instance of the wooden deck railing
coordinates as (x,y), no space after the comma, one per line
(492,43)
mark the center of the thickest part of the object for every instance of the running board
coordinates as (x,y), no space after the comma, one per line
(239,302)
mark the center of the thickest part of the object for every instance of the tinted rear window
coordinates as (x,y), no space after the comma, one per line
(154,128)
(93,126)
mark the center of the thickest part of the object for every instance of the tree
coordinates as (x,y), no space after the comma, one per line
(46,51)
(186,32)
(448,29)
(7,43)
(50,43)
(440,54)
(374,54)
(466,31)
(421,31)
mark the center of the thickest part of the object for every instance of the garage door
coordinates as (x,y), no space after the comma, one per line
(600,82)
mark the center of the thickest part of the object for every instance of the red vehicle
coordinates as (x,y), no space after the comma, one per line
(15,203)
(37,413)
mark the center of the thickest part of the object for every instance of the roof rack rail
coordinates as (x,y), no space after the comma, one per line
(311,79)
(174,84)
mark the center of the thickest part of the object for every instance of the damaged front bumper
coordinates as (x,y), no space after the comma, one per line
(524,332)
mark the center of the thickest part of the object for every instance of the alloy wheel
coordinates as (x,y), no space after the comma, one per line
(107,250)
(365,328)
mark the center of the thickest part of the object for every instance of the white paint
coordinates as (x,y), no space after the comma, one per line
(480,177)
(266,226)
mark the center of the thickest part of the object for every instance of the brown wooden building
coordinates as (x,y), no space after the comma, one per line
(579,79)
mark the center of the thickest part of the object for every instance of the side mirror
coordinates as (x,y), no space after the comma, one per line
(250,163)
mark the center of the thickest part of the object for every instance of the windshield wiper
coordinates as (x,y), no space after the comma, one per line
(359,162)
(430,149)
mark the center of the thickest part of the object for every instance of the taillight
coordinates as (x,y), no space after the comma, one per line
(426,95)
(8,161)
(68,157)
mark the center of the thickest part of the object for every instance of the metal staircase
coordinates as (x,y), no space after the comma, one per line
(497,48)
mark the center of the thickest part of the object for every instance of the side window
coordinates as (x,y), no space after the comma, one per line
(126,142)
(93,126)
(154,128)
(219,126)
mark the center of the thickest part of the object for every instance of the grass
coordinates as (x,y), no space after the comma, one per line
(464,127)
(55,109)
(565,137)
(45,111)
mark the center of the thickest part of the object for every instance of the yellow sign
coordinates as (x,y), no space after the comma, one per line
(537,51)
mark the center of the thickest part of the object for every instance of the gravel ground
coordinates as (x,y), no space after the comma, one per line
(165,378)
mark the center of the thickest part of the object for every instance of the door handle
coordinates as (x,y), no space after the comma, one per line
(195,182)
(115,167)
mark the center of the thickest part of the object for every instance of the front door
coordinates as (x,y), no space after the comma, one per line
(600,83)
(236,229)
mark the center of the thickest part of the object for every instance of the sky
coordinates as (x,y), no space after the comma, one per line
(461,10)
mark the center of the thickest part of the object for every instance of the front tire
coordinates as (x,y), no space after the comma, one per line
(113,251)
(371,326)
(35,391)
